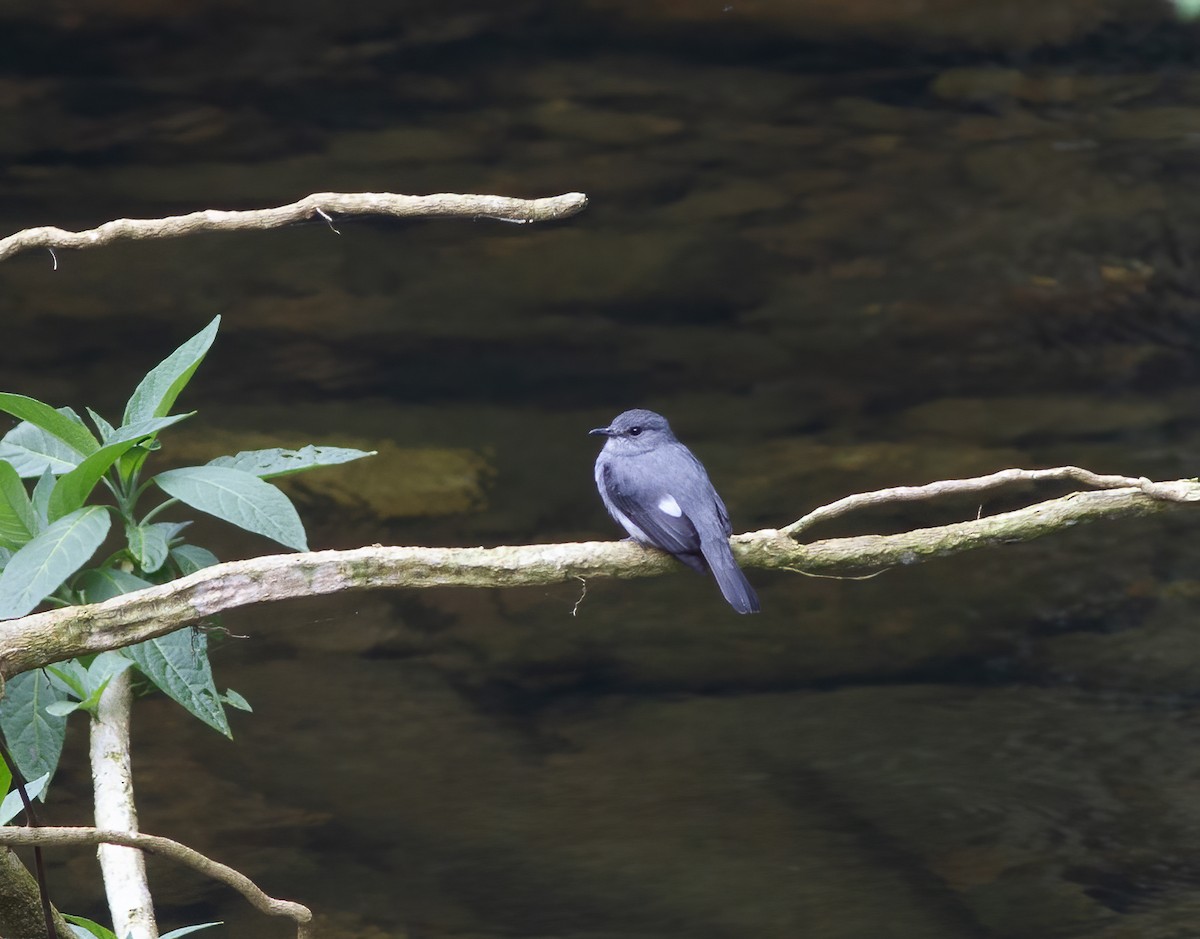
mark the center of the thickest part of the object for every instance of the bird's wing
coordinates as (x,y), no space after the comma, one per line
(650,506)
(700,500)
(722,514)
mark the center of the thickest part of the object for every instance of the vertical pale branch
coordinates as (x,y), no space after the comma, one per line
(124,868)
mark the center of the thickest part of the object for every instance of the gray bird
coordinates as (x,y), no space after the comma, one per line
(659,492)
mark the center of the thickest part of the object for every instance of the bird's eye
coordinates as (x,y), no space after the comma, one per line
(634,431)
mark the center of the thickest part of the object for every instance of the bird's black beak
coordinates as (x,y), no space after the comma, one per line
(603,431)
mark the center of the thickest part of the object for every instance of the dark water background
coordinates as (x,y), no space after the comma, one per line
(841,249)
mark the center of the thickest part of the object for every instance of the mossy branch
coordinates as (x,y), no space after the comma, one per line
(41,638)
(324,205)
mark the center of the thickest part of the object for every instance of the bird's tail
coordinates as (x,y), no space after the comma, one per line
(735,588)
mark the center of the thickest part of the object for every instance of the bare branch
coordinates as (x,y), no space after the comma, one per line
(156,844)
(41,638)
(1176,491)
(325,205)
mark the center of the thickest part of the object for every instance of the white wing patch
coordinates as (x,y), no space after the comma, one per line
(668,504)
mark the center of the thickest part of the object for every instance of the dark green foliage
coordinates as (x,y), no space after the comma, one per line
(84,480)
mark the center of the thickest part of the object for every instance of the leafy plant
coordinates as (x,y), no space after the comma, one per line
(86,479)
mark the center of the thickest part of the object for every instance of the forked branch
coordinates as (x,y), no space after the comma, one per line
(42,638)
(1175,491)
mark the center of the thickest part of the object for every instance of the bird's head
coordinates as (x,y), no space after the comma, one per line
(636,431)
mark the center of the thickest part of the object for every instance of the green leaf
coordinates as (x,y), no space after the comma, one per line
(131,460)
(5,777)
(276,462)
(62,423)
(86,684)
(42,490)
(70,677)
(85,927)
(190,558)
(177,663)
(157,392)
(17,522)
(172,529)
(239,498)
(13,805)
(104,667)
(41,565)
(74,487)
(148,544)
(32,450)
(34,738)
(235,700)
(104,427)
(184,930)
(104,583)
(99,674)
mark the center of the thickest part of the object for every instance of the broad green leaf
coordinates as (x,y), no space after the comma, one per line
(184,930)
(276,462)
(74,487)
(17,521)
(34,738)
(104,583)
(32,450)
(41,565)
(86,928)
(148,545)
(177,663)
(13,805)
(157,392)
(190,558)
(239,498)
(5,777)
(62,423)
(105,429)
(5,555)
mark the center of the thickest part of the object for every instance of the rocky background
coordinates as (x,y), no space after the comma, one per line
(843,245)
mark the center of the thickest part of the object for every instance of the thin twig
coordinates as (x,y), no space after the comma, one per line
(325,205)
(1170,491)
(156,844)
